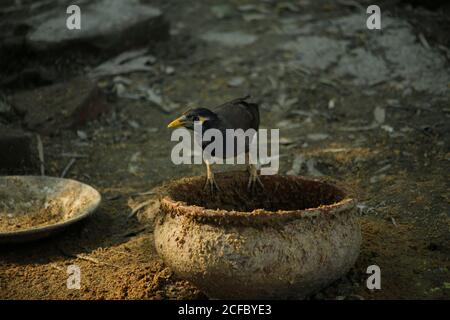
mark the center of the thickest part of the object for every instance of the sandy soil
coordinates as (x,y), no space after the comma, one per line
(400,175)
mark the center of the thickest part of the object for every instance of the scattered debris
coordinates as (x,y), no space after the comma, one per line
(394,222)
(146,93)
(82,135)
(127,62)
(421,68)
(387,128)
(134,124)
(305,113)
(286,6)
(40,148)
(273,82)
(68,167)
(139,207)
(383,169)
(236,81)
(133,166)
(316,52)
(335,150)
(152,130)
(145,193)
(169,70)
(221,11)
(119,89)
(361,128)
(152,96)
(393,103)
(286,141)
(284,102)
(331,83)
(317,136)
(377,178)
(362,208)
(86,258)
(229,39)
(365,68)
(310,165)
(119,86)
(423,41)
(74,155)
(331,104)
(297,165)
(445,50)
(253,17)
(247,7)
(165,105)
(379,114)
(288,124)
(123,80)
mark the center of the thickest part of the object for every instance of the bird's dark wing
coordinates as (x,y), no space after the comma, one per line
(238,114)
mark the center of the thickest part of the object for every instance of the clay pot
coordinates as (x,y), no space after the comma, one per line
(289,241)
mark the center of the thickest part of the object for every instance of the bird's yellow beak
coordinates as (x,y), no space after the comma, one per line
(177,122)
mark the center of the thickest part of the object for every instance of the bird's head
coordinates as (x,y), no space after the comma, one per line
(188,118)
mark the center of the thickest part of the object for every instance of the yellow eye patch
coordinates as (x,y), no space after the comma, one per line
(202,119)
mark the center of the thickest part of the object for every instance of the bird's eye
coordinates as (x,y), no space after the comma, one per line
(195,118)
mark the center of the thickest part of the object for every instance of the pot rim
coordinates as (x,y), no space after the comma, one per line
(194,211)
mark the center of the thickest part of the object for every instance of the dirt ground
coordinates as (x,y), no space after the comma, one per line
(397,162)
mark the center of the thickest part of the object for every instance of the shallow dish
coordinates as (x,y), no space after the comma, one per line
(33,207)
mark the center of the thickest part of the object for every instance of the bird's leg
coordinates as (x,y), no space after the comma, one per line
(254,179)
(210,181)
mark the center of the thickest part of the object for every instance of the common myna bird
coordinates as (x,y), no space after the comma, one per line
(235,114)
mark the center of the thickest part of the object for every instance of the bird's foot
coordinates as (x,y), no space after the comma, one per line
(254,181)
(211,185)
